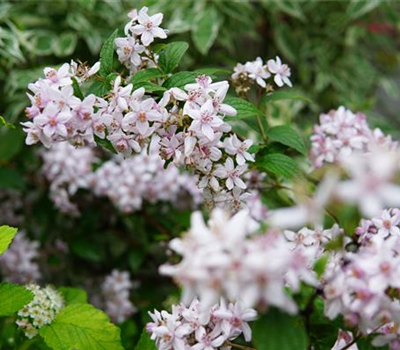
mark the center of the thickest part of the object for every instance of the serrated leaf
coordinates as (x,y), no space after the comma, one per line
(244,108)
(7,234)
(206,29)
(107,55)
(13,298)
(284,95)
(277,330)
(279,164)
(287,136)
(358,8)
(145,343)
(73,295)
(171,55)
(146,75)
(83,327)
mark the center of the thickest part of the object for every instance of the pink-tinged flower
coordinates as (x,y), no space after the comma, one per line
(219,97)
(64,97)
(53,121)
(59,77)
(148,27)
(121,95)
(208,341)
(128,50)
(344,338)
(172,332)
(234,146)
(124,143)
(171,147)
(142,113)
(258,71)
(387,224)
(281,71)
(231,174)
(205,121)
(204,85)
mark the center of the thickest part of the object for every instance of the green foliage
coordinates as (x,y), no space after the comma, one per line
(245,109)
(146,75)
(81,326)
(277,330)
(171,55)
(287,136)
(145,343)
(278,164)
(73,295)
(7,234)
(13,298)
(107,55)
(206,29)
(5,123)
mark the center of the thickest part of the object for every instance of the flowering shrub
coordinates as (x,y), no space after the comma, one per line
(215,226)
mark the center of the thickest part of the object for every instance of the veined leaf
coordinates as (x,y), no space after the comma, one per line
(171,55)
(146,75)
(279,164)
(107,55)
(13,298)
(287,136)
(7,234)
(81,326)
(244,108)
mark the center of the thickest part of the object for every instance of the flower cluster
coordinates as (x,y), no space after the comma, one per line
(257,72)
(115,292)
(18,264)
(126,182)
(140,32)
(224,259)
(41,311)
(188,328)
(56,114)
(340,133)
(363,285)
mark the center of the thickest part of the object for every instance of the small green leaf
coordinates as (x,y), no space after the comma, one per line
(145,343)
(244,108)
(206,29)
(146,75)
(171,55)
(5,123)
(105,144)
(81,326)
(77,89)
(287,136)
(279,331)
(320,264)
(279,164)
(7,234)
(284,95)
(359,8)
(73,295)
(107,55)
(13,298)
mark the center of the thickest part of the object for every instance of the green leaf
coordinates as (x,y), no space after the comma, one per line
(77,89)
(73,295)
(206,29)
(13,298)
(81,326)
(145,343)
(244,108)
(11,178)
(7,234)
(146,75)
(358,8)
(105,144)
(66,44)
(287,136)
(107,55)
(292,8)
(180,79)
(11,143)
(5,123)
(171,55)
(150,87)
(284,95)
(279,331)
(279,164)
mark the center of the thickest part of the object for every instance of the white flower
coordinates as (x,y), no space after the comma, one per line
(128,50)
(231,174)
(205,121)
(258,71)
(234,146)
(148,27)
(281,71)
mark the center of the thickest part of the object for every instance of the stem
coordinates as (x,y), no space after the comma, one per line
(237,346)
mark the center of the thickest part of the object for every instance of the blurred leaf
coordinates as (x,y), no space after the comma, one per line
(206,28)
(171,55)
(13,298)
(44,43)
(81,326)
(105,143)
(150,87)
(7,234)
(292,8)
(277,330)
(11,142)
(278,164)
(73,295)
(287,136)
(145,343)
(107,55)
(66,43)
(5,123)
(11,178)
(284,95)
(358,8)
